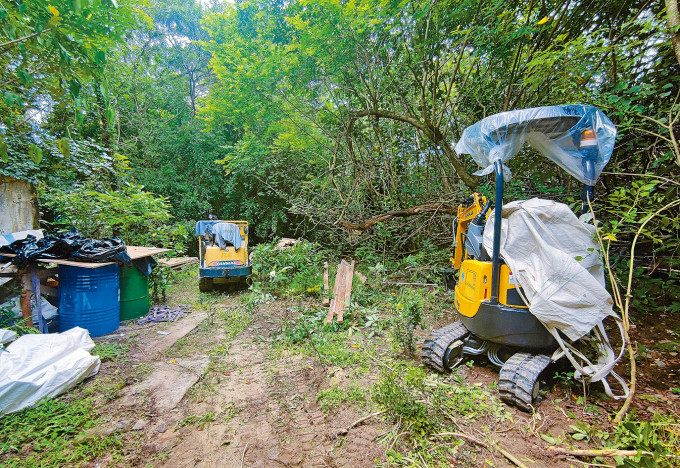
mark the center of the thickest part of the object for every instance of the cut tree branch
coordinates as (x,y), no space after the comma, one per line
(439,207)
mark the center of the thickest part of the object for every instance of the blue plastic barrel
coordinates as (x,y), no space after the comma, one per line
(89,298)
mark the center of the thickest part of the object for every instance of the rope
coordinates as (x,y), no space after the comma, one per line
(164,313)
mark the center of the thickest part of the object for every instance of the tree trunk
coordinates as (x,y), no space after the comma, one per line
(105,132)
(673,19)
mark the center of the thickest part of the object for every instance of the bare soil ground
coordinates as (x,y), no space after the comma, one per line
(216,390)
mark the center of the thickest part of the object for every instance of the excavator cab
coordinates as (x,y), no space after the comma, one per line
(494,316)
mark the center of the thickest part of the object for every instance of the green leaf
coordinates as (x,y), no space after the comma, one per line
(25,77)
(110,115)
(74,87)
(4,156)
(35,153)
(64,147)
(12,98)
(100,57)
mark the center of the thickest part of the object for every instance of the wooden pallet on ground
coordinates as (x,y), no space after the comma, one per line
(178,263)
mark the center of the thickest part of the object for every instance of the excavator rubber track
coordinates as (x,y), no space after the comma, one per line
(436,344)
(519,379)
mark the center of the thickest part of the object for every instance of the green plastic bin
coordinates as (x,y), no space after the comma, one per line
(134,293)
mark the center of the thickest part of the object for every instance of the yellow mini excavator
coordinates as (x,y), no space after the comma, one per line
(495,317)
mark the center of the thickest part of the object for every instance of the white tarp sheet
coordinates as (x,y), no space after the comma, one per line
(7,336)
(555,258)
(35,367)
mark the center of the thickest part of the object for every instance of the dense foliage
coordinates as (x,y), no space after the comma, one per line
(308,117)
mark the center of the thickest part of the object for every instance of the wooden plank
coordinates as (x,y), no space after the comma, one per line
(136,252)
(8,270)
(338,291)
(59,261)
(178,263)
(347,291)
(133,251)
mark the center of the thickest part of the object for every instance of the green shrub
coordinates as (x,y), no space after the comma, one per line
(659,437)
(136,216)
(403,402)
(408,315)
(290,272)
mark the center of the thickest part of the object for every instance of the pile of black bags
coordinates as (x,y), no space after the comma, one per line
(67,246)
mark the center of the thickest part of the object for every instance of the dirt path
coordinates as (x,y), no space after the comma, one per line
(219,389)
(212,401)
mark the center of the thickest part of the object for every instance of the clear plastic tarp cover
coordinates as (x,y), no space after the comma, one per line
(579,138)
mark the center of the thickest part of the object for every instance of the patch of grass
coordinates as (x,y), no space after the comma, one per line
(140,371)
(254,298)
(235,320)
(206,301)
(334,397)
(197,420)
(425,405)
(107,388)
(308,333)
(328,347)
(111,352)
(228,413)
(201,390)
(45,435)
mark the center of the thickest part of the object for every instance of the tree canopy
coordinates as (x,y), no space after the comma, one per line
(316,118)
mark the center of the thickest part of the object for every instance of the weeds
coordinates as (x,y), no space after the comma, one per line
(46,435)
(335,397)
(290,272)
(309,333)
(408,316)
(236,319)
(425,407)
(111,352)
(659,438)
(196,420)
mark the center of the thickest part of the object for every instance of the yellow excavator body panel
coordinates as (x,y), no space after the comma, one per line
(474,287)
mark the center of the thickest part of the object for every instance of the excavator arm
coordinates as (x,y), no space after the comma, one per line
(466,213)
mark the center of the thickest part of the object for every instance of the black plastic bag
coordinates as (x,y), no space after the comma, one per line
(68,246)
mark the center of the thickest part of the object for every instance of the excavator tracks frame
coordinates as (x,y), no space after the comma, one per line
(519,378)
